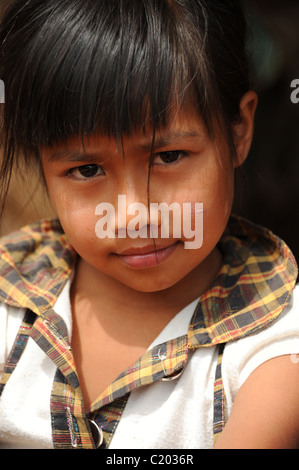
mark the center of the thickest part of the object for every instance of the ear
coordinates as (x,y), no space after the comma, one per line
(243,130)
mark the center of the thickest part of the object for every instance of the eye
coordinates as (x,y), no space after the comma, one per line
(85,172)
(170,157)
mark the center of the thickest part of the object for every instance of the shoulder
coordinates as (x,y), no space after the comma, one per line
(23,247)
(281,337)
(261,380)
(35,263)
(265,413)
(31,237)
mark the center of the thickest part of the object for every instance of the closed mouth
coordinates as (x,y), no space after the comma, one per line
(148,256)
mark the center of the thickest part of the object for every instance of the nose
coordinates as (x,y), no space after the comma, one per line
(131,213)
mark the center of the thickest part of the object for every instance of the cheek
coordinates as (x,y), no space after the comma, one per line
(79,225)
(217,209)
(214,188)
(77,218)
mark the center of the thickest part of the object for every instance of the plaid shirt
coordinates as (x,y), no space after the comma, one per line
(252,289)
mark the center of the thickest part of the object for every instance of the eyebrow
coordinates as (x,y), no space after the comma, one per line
(168,139)
(75,156)
(159,142)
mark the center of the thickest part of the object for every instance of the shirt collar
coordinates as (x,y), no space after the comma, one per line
(251,290)
(35,264)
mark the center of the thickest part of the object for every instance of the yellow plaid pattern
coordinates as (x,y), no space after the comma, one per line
(252,289)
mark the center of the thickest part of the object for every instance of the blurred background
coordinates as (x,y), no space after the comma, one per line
(271,172)
(270,177)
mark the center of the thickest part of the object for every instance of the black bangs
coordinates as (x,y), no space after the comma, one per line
(79,67)
(89,66)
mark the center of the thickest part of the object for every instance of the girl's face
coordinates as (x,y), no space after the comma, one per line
(188,167)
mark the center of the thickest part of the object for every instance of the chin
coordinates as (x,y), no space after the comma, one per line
(150,285)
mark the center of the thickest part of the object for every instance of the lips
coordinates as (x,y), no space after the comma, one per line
(146,257)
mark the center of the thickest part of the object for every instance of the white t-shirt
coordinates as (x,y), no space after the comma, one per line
(163,415)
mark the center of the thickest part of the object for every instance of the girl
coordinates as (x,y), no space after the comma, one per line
(115,339)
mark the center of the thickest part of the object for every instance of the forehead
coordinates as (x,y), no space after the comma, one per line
(184,127)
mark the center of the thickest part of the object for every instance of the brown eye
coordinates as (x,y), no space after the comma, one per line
(86,171)
(170,157)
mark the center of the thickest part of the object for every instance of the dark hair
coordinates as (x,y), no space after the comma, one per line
(75,67)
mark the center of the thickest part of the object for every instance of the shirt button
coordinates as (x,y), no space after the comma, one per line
(97,433)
